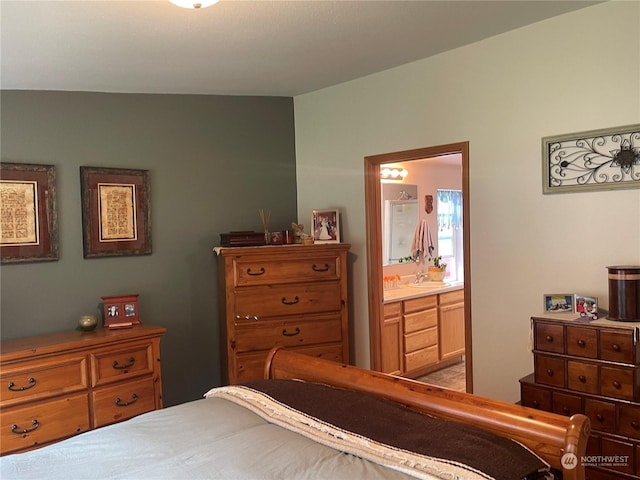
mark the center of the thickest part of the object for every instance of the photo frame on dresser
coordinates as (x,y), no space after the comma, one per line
(559,303)
(121,311)
(29,221)
(325,226)
(116,217)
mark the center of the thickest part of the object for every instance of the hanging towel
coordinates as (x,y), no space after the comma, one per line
(421,245)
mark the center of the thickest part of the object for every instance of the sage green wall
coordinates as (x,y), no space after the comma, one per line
(214,162)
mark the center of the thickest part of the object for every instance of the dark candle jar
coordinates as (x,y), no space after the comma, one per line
(624,293)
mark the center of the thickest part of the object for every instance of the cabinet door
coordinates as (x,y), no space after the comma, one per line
(391,333)
(451,330)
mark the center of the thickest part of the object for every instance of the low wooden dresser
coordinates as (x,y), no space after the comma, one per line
(591,367)
(289,295)
(56,386)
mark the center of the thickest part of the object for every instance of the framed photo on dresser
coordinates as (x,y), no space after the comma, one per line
(325,226)
(559,303)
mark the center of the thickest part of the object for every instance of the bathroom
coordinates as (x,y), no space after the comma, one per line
(422,217)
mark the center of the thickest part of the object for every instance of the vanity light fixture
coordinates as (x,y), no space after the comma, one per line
(398,174)
(194,3)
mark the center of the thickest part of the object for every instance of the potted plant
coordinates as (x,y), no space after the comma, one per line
(437,270)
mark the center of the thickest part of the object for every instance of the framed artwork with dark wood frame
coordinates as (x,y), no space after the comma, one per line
(29,218)
(116,217)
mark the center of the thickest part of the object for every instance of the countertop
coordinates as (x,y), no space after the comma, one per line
(407,291)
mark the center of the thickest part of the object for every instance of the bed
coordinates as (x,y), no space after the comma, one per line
(316,419)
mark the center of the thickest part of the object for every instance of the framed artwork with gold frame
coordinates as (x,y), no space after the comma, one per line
(29,216)
(116,217)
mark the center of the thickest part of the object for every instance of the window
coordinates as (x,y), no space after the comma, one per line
(450,244)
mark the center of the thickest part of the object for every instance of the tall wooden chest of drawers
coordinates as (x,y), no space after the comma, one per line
(290,295)
(56,386)
(591,367)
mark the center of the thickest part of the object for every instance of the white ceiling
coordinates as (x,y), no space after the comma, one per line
(238,47)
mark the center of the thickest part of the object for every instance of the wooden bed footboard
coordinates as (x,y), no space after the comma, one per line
(550,435)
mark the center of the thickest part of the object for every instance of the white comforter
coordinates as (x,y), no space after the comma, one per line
(204,439)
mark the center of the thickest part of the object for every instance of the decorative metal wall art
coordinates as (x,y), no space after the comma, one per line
(604,159)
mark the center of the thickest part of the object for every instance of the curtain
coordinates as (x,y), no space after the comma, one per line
(449,209)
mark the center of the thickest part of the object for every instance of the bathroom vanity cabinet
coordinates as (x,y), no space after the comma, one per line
(423,334)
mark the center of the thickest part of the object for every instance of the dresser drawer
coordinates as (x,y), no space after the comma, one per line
(421,339)
(250,366)
(265,271)
(534,397)
(420,303)
(618,382)
(618,347)
(582,377)
(122,401)
(267,334)
(43,378)
(566,404)
(549,370)
(391,310)
(108,366)
(420,320)
(602,415)
(448,298)
(549,338)
(582,342)
(629,420)
(264,302)
(43,422)
(421,358)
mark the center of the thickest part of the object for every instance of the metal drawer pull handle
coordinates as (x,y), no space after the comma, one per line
(581,343)
(615,347)
(12,386)
(293,302)
(122,367)
(617,384)
(320,269)
(549,372)
(549,338)
(600,417)
(256,274)
(15,429)
(120,403)
(288,334)
(582,378)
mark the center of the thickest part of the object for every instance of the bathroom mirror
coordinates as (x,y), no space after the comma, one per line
(399,220)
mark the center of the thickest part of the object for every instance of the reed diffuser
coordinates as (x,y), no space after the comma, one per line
(264,218)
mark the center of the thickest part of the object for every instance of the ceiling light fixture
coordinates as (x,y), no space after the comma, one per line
(193,3)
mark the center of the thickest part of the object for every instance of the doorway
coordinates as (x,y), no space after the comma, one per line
(373,213)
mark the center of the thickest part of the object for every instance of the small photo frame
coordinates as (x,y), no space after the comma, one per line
(558,303)
(325,225)
(121,311)
(586,305)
